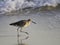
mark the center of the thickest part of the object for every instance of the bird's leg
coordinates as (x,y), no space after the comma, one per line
(23,31)
(17,28)
(18,35)
(18,31)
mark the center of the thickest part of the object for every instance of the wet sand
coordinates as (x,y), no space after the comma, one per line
(45,32)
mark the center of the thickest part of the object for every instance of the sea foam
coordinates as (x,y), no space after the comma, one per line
(9,5)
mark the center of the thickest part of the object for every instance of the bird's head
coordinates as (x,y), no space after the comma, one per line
(31,21)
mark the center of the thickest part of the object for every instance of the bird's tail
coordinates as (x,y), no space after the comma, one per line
(12,24)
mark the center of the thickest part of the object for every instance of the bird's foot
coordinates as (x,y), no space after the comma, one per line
(27,33)
(24,32)
(27,37)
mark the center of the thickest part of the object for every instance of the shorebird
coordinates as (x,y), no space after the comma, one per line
(22,23)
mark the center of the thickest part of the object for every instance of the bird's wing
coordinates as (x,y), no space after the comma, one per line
(19,23)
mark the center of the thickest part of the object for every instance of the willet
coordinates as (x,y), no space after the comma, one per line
(22,23)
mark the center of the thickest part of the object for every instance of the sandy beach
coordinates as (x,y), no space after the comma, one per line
(45,32)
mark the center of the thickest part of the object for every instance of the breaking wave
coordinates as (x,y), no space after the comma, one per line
(9,5)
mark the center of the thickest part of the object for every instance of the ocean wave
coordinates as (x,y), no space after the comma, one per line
(9,5)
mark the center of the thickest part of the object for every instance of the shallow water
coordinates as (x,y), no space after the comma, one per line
(45,32)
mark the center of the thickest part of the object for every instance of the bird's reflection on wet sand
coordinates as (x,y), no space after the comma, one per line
(20,41)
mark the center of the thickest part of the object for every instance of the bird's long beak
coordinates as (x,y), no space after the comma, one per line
(33,22)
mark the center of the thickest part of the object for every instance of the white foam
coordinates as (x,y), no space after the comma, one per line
(9,5)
